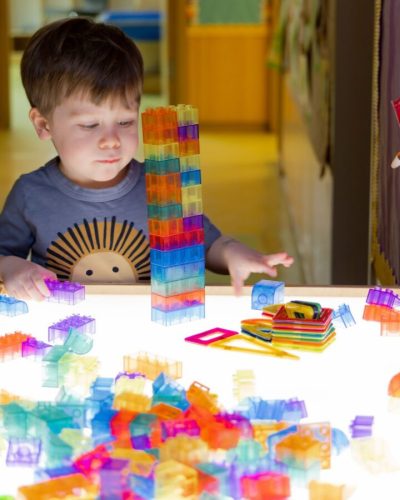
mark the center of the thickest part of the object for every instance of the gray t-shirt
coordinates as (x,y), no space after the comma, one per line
(84,235)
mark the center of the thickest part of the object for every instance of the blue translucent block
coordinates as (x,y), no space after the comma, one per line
(166,390)
(177,257)
(180,272)
(168,318)
(190,178)
(144,487)
(167,288)
(266,292)
(162,166)
(342,317)
(101,428)
(339,441)
(101,388)
(164,212)
(10,306)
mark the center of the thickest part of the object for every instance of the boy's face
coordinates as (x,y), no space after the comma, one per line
(94,142)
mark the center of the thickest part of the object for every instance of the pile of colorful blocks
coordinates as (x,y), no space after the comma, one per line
(175,211)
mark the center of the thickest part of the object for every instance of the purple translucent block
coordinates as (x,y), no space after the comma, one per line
(361,426)
(381,297)
(34,347)
(188,132)
(114,478)
(173,428)
(193,222)
(141,442)
(60,330)
(238,421)
(294,410)
(65,292)
(23,451)
(129,375)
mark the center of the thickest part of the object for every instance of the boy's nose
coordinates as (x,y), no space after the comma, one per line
(109,140)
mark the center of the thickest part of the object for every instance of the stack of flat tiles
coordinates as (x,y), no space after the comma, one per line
(175,213)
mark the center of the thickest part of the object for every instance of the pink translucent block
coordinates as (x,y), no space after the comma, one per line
(210,336)
(65,292)
(34,347)
(265,485)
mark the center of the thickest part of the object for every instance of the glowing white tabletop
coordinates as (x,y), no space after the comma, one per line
(349,378)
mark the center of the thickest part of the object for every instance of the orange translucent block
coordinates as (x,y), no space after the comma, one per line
(200,415)
(10,345)
(151,366)
(199,395)
(172,477)
(298,451)
(119,426)
(71,486)
(163,189)
(185,449)
(322,432)
(373,312)
(132,402)
(326,491)
(165,228)
(160,125)
(390,323)
(165,411)
(394,386)
(220,435)
(179,301)
(189,147)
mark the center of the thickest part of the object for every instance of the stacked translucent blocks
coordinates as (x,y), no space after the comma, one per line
(175,213)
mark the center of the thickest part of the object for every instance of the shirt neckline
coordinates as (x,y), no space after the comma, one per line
(89,194)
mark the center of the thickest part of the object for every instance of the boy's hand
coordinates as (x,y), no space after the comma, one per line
(24,279)
(242,261)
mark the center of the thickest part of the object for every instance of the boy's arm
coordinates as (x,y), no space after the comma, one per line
(228,256)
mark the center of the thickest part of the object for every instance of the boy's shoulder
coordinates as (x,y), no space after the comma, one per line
(39,175)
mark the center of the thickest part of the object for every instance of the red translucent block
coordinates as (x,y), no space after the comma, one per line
(120,428)
(167,227)
(176,241)
(220,435)
(265,485)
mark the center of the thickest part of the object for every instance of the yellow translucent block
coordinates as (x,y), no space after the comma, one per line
(375,454)
(7,397)
(185,449)
(189,163)
(192,208)
(191,194)
(243,384)
(77,373)
(77,440)
(161,151)
(67,487)
(187,114)
(125,384)
(132,402)
(175,481)
(199,395)
(326,491)
(141,463)
(262,429)
(151,366)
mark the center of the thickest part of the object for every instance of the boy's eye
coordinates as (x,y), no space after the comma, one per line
(127,123)
(88,126)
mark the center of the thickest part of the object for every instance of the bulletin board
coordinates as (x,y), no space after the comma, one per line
(385,180)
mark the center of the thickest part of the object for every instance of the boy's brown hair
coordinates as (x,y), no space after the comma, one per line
(79,55)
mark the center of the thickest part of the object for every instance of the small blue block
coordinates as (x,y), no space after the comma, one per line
(11,306)
(342,317)
(266,292)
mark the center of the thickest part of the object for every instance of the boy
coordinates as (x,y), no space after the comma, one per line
(83,215)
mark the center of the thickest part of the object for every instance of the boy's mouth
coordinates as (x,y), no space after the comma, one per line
(109,160)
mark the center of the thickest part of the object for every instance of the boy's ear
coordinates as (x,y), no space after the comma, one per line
(40,124)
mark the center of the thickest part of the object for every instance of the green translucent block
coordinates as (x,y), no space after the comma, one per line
(16,420)
(78,342)
(57,451)
(162,166)
(164,212)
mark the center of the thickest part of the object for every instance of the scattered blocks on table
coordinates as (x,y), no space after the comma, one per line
(10,306)
(266,292)
(65,292)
